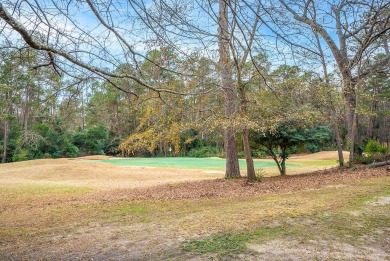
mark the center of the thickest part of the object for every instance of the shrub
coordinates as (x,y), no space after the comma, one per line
(203,152)
(260,173)
(96,139)
(241,155)
(363,159)
(93,140)
(312,147)
(69,150)
(21,155)
(373,152)
(373,147)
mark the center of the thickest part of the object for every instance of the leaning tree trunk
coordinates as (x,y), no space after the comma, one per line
(232,167)
(283,167)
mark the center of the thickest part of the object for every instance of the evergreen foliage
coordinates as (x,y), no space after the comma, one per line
(282,142)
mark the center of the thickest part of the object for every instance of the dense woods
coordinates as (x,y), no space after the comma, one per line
(171,78)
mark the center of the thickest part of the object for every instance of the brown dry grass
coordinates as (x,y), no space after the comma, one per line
(85,173)
(69,225)
(322,155)
(74,209)
(74,172)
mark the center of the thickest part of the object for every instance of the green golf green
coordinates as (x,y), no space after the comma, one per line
(182,162)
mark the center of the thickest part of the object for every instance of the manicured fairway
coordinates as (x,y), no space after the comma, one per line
(190,163)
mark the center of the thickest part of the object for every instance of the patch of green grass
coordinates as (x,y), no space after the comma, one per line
(361,200)
(183,162)
(221,244)
(228,243)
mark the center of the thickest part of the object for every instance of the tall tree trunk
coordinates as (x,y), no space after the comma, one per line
(334,120)
(82,110)
(250,169)
(350,98)
(5,143)
(25,109)
(232,167)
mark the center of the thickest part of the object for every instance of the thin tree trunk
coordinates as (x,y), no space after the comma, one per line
(283,167)
(5,143)
(82,110)
(250,169)
(232,167)
(280,164)
(275,158)
(240,63)
(334,120)
(25,109)
(339,145)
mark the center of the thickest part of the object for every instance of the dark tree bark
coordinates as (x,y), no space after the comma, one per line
(232,167)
